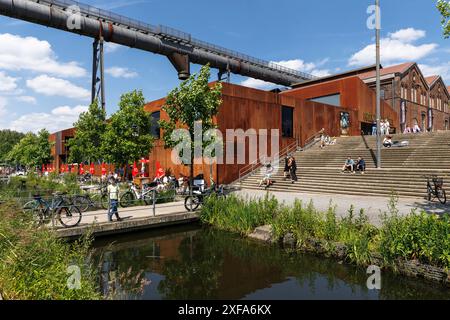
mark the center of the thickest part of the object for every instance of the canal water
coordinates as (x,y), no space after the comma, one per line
(200,263)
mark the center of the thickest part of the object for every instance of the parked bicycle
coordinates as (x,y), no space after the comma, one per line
(435,189)
(42,211)
(199,196)
(135,194)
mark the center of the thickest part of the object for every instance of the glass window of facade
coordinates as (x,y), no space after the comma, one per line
(334,99)
(156,131)
(287,122)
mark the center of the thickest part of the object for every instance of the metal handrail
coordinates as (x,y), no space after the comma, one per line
(312,140)
(254,166)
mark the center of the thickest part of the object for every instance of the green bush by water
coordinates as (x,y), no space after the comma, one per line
(239,215)
(424,237)
(34,263)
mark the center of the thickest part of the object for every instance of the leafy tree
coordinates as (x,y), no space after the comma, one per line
(128,135)
(8,140)
(193,102)
(33,150)
(444,8)
(90,129)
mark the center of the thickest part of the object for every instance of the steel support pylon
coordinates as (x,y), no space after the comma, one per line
(98,73)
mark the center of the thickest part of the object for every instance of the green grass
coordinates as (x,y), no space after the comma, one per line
(34,263)
(424,237)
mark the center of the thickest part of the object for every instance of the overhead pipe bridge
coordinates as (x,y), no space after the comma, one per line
(179,47)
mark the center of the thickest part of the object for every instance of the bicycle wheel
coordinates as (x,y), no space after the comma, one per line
(442,197)
(69,216)
(127,200)
(104,202)
(195,203)
(429,194)
(29,207)
(148,198)
(82,202)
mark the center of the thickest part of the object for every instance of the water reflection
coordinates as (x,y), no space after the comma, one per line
(199,263)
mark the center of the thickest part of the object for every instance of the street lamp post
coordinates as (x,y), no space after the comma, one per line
(378,105)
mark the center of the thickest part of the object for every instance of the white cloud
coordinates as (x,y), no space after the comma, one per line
(258,84)
(3,104)
(441,69)
(408,35)
(32,54)
(7,83)
(58,119)
(57,87)
(397,47)
(296,64)
(111,47)
(118,72)
(27,99)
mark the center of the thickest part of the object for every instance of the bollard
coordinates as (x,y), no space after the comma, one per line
(154,202)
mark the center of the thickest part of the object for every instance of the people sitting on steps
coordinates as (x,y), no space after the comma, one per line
(349,165)
(387,142)
(267,180)
(416,129)
(361,165)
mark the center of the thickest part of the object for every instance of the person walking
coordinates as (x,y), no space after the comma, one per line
(113,193)
(387,127)
(286,167)
(293,170)
(383,128)
(374,128)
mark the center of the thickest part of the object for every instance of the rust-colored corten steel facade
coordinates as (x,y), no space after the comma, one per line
(245,108)
(59,148)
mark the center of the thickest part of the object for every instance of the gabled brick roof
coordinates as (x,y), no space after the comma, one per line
(399,68)
(431,80)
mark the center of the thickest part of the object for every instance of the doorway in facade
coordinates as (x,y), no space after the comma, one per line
(366,128)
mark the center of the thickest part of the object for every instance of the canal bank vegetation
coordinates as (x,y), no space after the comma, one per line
(34,263)
(418,237)
(26,187)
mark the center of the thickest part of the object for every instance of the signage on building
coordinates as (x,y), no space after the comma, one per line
(345,123)
(402,112)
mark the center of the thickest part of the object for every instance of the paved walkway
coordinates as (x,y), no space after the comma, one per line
(373,206)
(101,216)
(136,218)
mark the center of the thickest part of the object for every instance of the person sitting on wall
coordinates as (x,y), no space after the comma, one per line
(387,142)
(361,165)
(349,165)
(417,129)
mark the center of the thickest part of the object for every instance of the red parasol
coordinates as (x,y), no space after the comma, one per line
(103,169)
(135,171)
(159,170)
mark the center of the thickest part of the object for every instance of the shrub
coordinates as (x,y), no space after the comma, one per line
(34,262)
(422,237)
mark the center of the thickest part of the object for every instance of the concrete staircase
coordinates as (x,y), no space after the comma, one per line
(319,170)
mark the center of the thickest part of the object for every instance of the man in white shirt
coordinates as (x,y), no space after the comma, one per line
(113,192)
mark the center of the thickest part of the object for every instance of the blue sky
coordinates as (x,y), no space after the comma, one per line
(45,73)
